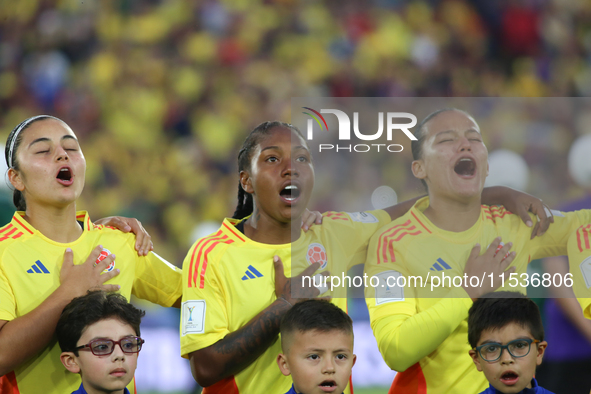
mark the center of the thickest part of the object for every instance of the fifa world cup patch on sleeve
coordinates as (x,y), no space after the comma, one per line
(388,288)
(193,317)
(362,217)
(586,271)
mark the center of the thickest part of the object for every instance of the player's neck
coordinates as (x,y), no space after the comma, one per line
(452,214)
(57,224)
(261,228)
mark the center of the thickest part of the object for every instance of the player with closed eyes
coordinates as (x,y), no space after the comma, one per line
(51,253)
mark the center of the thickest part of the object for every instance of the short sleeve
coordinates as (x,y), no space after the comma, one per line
(204,315)
(354,230)
(7,301)
(579,256)
(157,280)
(554,241)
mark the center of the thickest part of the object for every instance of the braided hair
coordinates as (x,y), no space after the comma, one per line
(245,202)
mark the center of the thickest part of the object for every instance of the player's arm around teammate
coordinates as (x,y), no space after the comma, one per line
(513,200)
(438,237)
(222,333)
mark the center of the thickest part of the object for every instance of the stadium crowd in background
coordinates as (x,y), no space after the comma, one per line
(163,92)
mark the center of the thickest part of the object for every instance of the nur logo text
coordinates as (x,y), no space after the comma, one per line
(393,123)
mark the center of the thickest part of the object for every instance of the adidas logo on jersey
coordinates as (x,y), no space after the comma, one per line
(440,265)
(251,273)
(38,268)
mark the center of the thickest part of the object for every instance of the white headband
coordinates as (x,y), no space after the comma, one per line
(18,131)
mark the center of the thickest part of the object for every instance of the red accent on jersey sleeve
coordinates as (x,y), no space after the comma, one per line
(406,226)
(388,246)
(17,235)
(8,234)
(8,384)
(192,267)
(387,239)
(499,212)
(336,216)
(190,276)
(583,237)
(198,260)
(233,232)
(226,386)
(22,225)
(406,233)
(411,381)
(421,223)
(383,248)
(486,214)
(5,228)
(204,266)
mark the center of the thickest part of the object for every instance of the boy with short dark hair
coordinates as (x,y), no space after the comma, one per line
(506,334)
(99,335)
(317,344)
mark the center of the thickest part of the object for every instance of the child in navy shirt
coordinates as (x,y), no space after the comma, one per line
(507,337)
(317,345)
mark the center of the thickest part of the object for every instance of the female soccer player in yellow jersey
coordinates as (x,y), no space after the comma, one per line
(233,295)
(421,331)
(49,255)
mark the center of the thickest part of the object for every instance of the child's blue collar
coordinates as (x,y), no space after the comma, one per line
(535,389)
(291,390)
(81,390)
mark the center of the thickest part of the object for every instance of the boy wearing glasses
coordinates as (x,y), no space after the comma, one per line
(99,337)
(507,339)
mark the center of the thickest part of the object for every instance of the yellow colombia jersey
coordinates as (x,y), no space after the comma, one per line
(424,334)
(579,257)
(30,266)
(228,279)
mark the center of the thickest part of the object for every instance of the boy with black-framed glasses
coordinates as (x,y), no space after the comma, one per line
(99,335)
(506,334)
